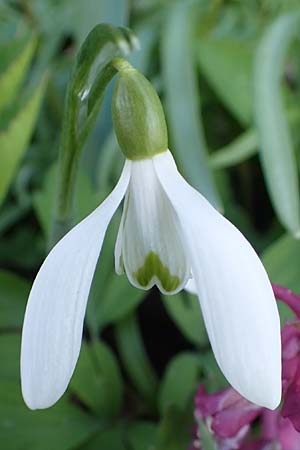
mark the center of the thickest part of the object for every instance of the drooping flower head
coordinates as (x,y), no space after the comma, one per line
(168,234)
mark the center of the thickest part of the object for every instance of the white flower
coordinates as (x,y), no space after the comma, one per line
(168,234)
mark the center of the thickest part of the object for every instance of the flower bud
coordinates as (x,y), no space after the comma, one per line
(138,116)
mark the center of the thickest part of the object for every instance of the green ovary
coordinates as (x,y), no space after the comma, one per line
(153,267)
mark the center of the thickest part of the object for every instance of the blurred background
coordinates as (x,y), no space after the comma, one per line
(228,74)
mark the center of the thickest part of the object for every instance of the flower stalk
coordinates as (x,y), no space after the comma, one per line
(84,97)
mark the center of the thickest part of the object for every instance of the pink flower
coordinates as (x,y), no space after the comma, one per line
(227,415)
(277,433)
(290,339)
(291,373)
(226,411)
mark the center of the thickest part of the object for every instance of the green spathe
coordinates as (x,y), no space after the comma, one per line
(138,116)
(153,267)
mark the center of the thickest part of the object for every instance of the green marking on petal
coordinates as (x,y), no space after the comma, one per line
(153,267)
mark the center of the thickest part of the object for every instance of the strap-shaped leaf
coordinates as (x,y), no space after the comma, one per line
(242,148)
(277,152)
(97,380)
(14,139)
(179,382)
(13,69)
(183,309)
(182,99)
(131,347)
(245,145)
(226,64)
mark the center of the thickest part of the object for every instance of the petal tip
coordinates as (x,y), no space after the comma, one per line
(266,395)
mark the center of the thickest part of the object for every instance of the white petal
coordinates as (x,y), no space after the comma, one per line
(149,243)
(119,265)
(53,323)
(236,297)
(191,286)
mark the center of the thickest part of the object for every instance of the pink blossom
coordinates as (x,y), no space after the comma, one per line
(225,411)
(277,433)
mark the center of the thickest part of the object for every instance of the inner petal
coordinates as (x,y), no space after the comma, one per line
(149,245)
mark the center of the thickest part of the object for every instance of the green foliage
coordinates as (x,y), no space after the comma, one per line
(14,291)
(228,76)
(184,309)
(277,153)
(182,99)
(173,431)
(111,438)
(21,428)
(16,58)
(142,435)
(243,147)
(135,359)
(98,371)
(15,137)
(178,384)
(281,261)
(227,66)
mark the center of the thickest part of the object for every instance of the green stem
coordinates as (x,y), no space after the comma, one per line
(83,101)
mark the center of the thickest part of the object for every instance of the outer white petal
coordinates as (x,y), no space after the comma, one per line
(191,286)
(149,243)
(236,297)
(53,323)
(119,265)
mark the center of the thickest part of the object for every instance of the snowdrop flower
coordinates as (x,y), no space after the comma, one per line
(168,234)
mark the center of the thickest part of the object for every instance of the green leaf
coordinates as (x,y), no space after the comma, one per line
(277,153)
(213,378)
(77,18)
(179,382)
(13,247)
(242,148)
(85,201)
(97,380)
(14,140)
(184,309)
(88,14)
(14,292)
(133,354)
(141,435)
(107,439)
(182,99)
(245,145)
(10,345)
(227,66)
(282,262)
(120,299)
(174,431)
(12,76)
(63,426)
